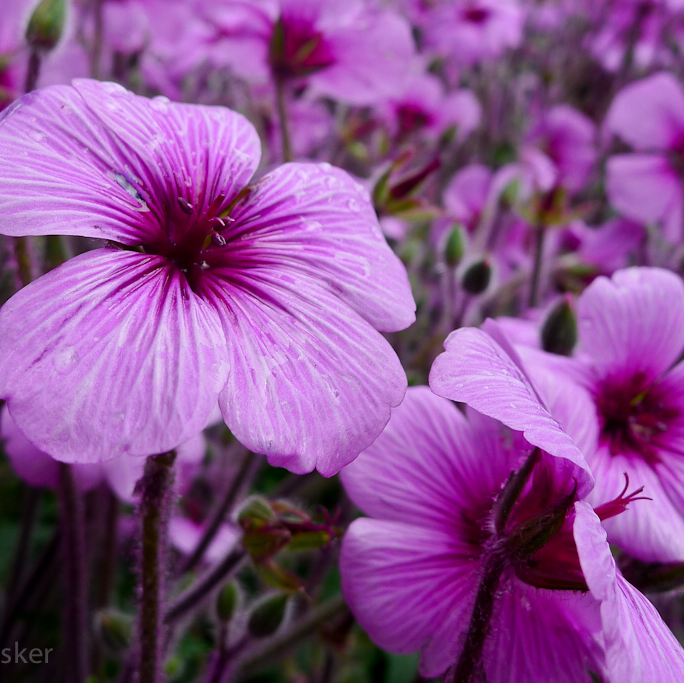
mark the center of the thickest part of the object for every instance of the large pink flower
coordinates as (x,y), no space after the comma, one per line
(506,578)
(628,365)
(265,297)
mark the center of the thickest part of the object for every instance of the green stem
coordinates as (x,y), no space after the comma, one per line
(282,117)
(155,486)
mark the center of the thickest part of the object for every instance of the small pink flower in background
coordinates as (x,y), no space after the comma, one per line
(470,31)
(647,186)
(426,110)
(266,297)
(568,138)
(344,49)
(447,565)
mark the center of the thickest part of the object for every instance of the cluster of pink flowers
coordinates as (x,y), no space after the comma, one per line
(233,233)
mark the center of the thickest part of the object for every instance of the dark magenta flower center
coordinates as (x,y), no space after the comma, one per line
(633,415)
(476,15)
(297,49)
(411,117)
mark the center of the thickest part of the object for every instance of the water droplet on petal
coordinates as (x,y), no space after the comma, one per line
(65,360)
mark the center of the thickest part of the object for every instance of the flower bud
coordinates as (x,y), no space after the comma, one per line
(559,332)
(477,277)
(256,512)
(46,25)
(226,602)
(267,615)
(115,629)
(455,246)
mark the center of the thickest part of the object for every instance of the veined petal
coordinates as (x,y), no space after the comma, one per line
(430,464)
(474,369)
(649,114)
(311,383)
(617,318)
(540,635)
(646,188)
(638,645)
(129,361)
(404,584)
(94,159)
(316,220)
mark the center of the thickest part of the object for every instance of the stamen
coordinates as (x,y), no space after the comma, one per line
(218,240)
(185,206)
(620,503)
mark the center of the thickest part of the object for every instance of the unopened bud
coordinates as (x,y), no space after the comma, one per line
(267,615)
(226,602)
(115,629)
(476,277)
(455,246)
(46,25)
(559,332)
(256,510)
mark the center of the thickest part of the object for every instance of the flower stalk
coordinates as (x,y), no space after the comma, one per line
(155,490)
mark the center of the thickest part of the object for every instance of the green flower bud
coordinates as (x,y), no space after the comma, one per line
(256,512)
(476,277)
(115,629)
(226,602)
(267,615)
(46,25)
(455,246)
(559,333)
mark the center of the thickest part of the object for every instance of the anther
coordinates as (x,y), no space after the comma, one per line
(185,206)
(217,240)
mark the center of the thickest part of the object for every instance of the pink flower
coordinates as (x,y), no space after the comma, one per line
(631,338)
(499,577)
(471,31)
(425,109)
(568,138)
(265,297)
(344,49)
(647,186)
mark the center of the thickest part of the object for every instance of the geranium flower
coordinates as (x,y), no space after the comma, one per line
(344,49)
(481,551)
(266,297)
(627,363)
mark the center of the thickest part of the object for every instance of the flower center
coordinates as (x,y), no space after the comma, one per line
(411,117)
(633,416)
(192,238)
(297,49)
(476,15)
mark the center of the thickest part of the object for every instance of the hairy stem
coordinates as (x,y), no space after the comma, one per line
(155,488)
(75,576)
(468,668)
(33,71)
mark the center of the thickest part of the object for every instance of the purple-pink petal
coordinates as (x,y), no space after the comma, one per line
(474,369)
(617,318)
(131,361)
(93,159)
